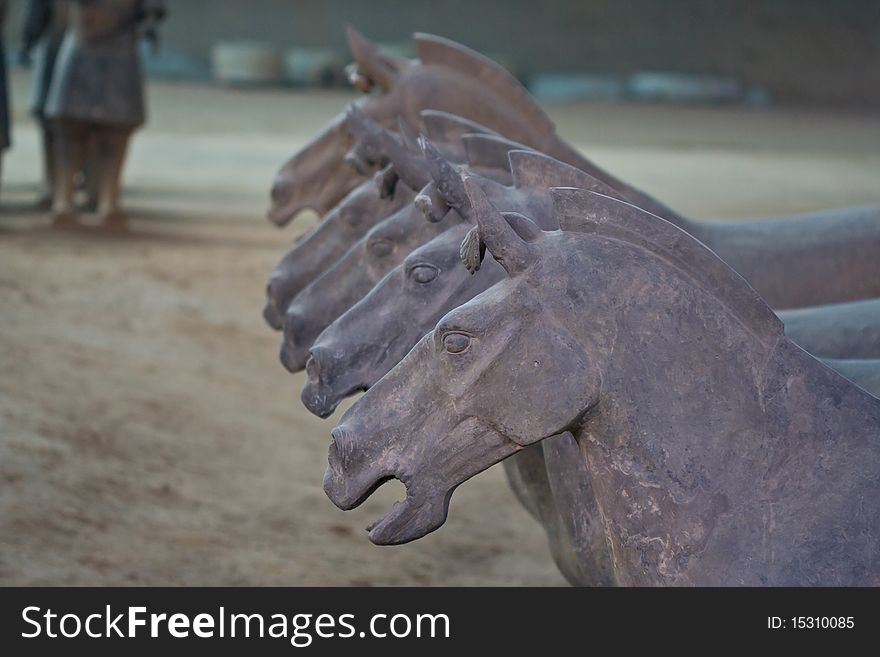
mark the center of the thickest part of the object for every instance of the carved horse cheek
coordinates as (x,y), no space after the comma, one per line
(540,372)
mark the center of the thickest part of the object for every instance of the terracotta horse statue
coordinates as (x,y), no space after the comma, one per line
(349,279)
(373,256)
(347,354)
(445,77)
(362,208)
(534,500)
(842,330)
(326,243)
(365,342)
(372,336)
(718,452)
(833,256)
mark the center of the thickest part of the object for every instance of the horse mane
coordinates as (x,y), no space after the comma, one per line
(535,170)
(436,51)
(489,151)
(446,131)
(443,126)
(585,211)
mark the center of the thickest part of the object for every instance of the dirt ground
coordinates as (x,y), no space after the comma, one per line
(148,434)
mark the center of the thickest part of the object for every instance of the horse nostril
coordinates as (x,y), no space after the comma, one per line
(313,370)
(334,453)
(293,326)
(273,290)
(298,332)
(339,436)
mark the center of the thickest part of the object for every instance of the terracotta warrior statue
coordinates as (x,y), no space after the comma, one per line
(97,96)
(4,104)
(45,24)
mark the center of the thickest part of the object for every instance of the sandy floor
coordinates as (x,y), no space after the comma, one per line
(148,434)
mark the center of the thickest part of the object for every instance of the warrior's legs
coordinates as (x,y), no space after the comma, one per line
(69,142)
(110,147)
(45,200)
(90,174)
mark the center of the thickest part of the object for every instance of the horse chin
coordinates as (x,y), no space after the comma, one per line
(427,495)
(348,486)
(415,516)
(322,400)
(410,519)
(316,401)
(321,203)
(281,215)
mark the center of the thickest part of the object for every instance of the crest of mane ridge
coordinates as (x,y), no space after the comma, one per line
(584,211)
(436,51)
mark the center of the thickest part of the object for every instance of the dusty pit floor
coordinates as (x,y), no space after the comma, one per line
(148,434)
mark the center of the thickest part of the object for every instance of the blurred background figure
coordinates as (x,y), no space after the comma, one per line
(96,99)
(4,101)
(44,26)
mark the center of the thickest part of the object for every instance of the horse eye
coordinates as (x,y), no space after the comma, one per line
(424,273)
(455,343)
(381,247)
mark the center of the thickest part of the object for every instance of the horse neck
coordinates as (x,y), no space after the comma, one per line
(711,453)
(533,203)
(462,95)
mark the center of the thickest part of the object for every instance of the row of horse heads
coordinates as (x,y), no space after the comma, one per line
(501,298)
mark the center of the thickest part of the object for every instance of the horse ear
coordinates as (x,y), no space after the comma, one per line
(445,127)
(533,170)
(473,248)
(446,177)
(371,66)
(410,167)
(364,130)
(503,242)
(447,130)
(437,51)
(489,151)
(408,136)
(358,122)
(524,227)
